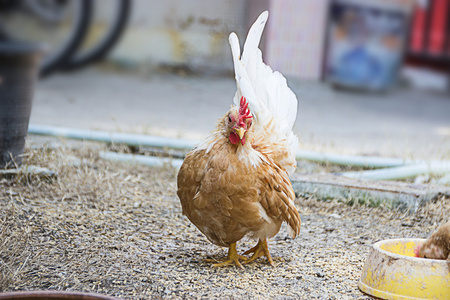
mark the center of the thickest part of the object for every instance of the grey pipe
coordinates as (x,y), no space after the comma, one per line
(433,167)
(162,142)
(357,161)
(111,137)
(141,159)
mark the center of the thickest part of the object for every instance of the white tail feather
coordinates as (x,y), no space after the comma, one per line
(266,91)
(244,85)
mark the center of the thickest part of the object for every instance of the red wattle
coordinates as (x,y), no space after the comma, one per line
(234,138)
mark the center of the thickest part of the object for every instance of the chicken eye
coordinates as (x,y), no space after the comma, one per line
(229,119)
(250,124)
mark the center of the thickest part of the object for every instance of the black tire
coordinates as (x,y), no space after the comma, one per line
(81,25)
(109,40)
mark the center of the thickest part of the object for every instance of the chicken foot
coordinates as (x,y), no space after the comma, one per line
(259,250)
(232,258)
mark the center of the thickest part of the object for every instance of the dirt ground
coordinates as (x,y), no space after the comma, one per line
(117,229)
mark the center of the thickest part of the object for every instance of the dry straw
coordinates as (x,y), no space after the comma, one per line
(117,229)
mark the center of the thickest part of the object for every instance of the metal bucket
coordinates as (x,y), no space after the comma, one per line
(18,73)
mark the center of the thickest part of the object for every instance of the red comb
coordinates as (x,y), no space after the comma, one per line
(244,112)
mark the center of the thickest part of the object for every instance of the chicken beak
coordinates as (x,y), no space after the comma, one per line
(240,132)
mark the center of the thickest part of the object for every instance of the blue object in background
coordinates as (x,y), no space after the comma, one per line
(365,44)
(358,67)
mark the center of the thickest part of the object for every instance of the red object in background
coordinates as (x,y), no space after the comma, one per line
(418,28)
(438,26)
(429,27)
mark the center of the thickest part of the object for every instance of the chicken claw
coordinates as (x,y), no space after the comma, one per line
(232,258)
(259,250)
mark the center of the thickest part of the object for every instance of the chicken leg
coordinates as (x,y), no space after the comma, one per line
(259,250)
(232,258)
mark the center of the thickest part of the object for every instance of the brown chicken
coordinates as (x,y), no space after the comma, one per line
(236,182)
(437,246)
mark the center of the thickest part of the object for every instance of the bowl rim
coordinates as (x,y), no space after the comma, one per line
(377,247)
(54,294)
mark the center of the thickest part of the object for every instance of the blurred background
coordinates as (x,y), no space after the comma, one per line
(372,77)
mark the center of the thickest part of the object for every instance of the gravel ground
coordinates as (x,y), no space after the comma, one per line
(118,230)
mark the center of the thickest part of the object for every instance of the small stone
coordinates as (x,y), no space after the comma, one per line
(320,274)
(336,216)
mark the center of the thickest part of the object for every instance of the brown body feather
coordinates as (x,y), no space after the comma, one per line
(226,195)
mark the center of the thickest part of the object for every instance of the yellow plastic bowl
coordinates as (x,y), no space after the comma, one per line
(393,272)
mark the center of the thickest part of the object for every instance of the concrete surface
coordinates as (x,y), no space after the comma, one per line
(402,123)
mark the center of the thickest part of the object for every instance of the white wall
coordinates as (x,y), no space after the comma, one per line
(182,32)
